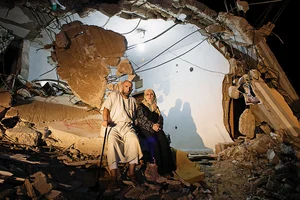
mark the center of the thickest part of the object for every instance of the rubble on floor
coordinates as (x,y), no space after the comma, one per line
(39,162)
(266,167)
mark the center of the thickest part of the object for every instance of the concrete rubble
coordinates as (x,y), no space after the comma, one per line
(68,140)
(58,157)
(50,135)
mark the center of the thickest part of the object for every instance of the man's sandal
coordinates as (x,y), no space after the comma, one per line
(113,185)
(133,179)
(130,180)
(112,189)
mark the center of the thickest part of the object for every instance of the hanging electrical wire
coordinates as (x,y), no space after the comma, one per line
(48,71)
(172,58)
(106,22)
(114,79)
(251,4)
(48,21)
(157,36)
(212,71)
(280,11)
(133,28)
(259,22)
(167,49)
(67,16)
(45,21)
(226,7)
(38,19)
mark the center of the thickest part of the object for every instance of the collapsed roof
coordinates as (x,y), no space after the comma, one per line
(223,29)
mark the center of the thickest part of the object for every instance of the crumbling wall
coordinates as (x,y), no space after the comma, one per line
(84,55)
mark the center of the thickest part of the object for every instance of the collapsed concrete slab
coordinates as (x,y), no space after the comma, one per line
(57,121)
(274,110)
(85,68)
(6,98)
(186,169)
(83,135)
(42,112)
(24,135)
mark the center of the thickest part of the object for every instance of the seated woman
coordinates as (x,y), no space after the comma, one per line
(150,128)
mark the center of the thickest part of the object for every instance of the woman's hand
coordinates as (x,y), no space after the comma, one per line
(156,127)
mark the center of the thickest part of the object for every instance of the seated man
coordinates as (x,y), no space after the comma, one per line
(119,112)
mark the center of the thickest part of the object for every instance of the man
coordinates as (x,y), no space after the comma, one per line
(119,113)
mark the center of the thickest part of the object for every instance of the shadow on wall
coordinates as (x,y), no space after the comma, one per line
(181,127)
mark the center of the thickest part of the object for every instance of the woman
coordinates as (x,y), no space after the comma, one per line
(150,128)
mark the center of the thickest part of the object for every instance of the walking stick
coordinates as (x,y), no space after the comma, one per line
(105,133)
(101,158)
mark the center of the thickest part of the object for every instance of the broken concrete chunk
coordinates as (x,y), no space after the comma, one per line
(89,64)
(30,190)
(24,135)
(112,61)
(135,192)
(272,157)
(5,98)
(83,134)
(54,194)
(4,175)
(41,183)
(124,67)
(73,28)
(265,128)
(62,40)
(151,173)
(215,28)
(267,29)
(233,92)
(114,87)
(247,123)
(134,77)
(39,112)
(262,145)
(186,169)
(242,6)
(240,27)
(24,93)
(11,113)
(21,190)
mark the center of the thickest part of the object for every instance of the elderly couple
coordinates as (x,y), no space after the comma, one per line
(120,114)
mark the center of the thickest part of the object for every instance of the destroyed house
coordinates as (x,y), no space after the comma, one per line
(219,86)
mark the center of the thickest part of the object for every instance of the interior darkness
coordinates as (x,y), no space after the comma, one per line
(239,106)
(8,60)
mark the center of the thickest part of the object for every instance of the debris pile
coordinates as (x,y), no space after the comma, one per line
(33,166)
(266,167)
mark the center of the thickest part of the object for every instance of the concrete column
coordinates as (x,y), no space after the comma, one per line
(25,59)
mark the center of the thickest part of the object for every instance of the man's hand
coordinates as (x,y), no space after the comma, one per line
(105,123)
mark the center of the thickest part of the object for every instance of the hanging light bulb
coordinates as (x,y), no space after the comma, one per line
(141,46)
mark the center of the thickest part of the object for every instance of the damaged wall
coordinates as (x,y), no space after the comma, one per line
(86,68)
(189,92)
(198,116)
(207,126)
